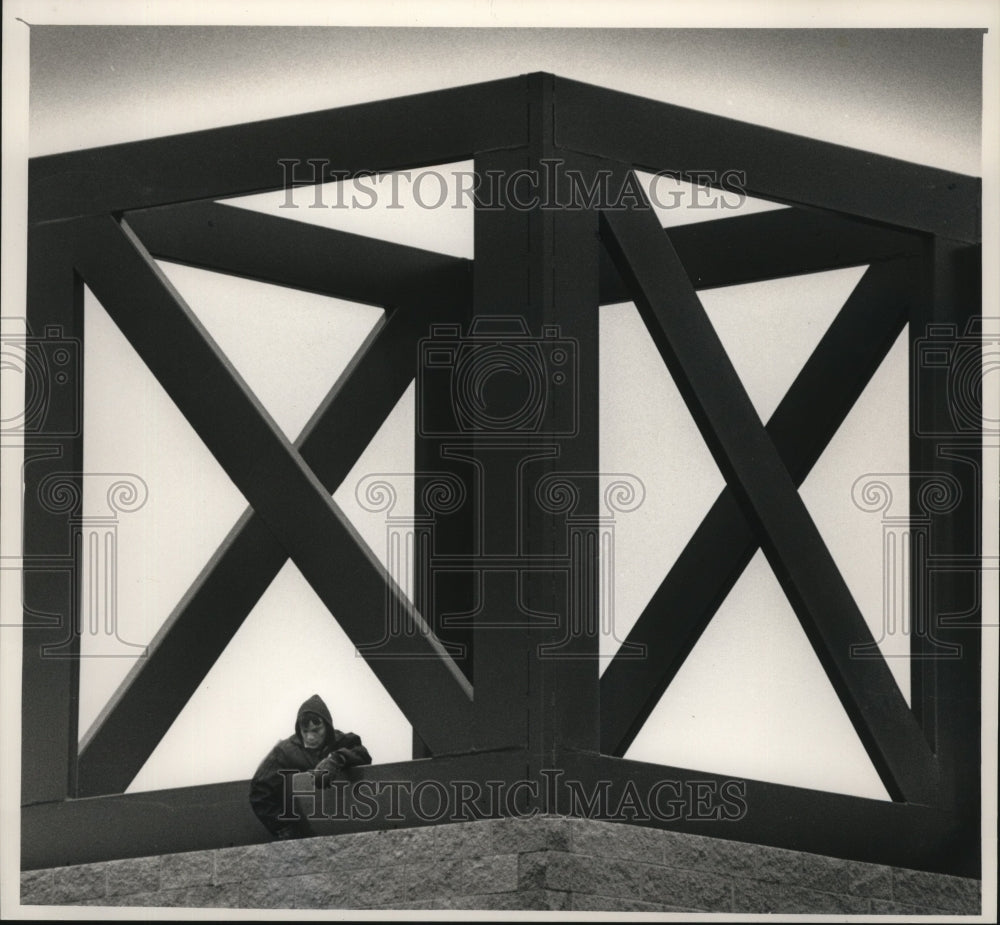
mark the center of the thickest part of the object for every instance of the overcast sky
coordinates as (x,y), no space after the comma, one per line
(911,93)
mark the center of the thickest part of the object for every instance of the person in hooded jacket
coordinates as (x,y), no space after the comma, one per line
(317,747)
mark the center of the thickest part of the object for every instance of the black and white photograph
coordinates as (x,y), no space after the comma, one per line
(495,461)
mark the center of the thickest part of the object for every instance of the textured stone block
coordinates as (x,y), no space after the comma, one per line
(418,904)
(535,833)
(84,881)
(533,868)
(690,889)
(362,849)
(308,891)
(361,889)
(616,840)
(755,896)
(721,856)
(289,858)
(530,900)
(267,893)
(191,868)
(119,902)
(532,863)
(560,870)
(461,877)
(716,855)
(303,856)
(936,891)
(135,875)
(343,889)
(496,874)
(434,879)
(833,875)
(309,855)
(205,896)
(813,871)
(776,865)
(587,902)
(37,887)
(891,907)
(245,863)
(453,840)
(873,880)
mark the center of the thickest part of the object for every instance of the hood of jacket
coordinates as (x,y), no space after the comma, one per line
(314,705)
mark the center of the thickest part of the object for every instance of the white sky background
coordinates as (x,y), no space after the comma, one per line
(752,699)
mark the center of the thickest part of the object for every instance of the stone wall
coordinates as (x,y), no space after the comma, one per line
(541,863)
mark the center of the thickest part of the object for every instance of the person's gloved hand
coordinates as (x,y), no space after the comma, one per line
(328,766)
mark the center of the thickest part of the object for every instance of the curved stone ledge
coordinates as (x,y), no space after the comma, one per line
(538,863)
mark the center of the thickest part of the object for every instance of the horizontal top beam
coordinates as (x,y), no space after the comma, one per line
(654,136)
(770,245)
(210,816)
(385,135)
(454,124)
(300,255)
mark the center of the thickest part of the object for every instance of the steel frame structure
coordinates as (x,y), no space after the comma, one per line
(485,699)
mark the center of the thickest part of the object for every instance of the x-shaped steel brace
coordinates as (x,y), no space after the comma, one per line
(292,513)
(769,501)
(801,427)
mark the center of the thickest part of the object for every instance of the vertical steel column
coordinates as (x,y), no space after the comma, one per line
(442,575)
(536,678)
(946,490)
(53,490)
(502,571)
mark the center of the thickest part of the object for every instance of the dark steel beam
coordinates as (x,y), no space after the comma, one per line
(536,678)
(723,252)
(733,807)
(213,609)
(52,434)
(285,252)
(218,815)
(946,499)
(367,138)
(771,245)
(780,166)
(766,492)
(156,822)
(279,485)
(801,427)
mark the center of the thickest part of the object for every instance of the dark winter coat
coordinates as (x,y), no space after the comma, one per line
(340,749)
